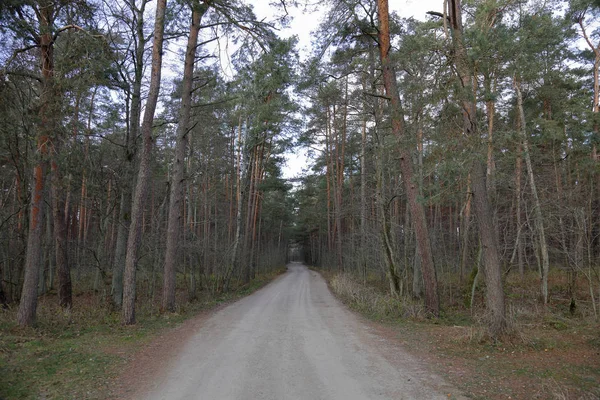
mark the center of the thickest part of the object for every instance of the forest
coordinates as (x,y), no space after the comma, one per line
(453,160)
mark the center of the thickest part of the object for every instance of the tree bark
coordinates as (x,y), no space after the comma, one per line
(28,305)
(63,270)
(130,152)
(141,189)
(432,302)
(493,274)
(176,194)
(363,191)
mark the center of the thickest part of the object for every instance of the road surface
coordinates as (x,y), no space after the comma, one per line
(293,340)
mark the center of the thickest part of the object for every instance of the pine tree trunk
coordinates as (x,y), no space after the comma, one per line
(28,305)
(137,209)
(518,239)
(485,221)
(466,227)
(239,204)
(363,193)
(432,302)
(130,153)
(176,194)
(63,270)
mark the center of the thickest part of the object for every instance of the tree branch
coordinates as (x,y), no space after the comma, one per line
(67,27)
(376,95)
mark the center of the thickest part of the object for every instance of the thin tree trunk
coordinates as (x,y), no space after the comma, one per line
(388,250)
(417,284)
(466,227)
(63,270)
(518,240)
(539,219)
(239,204)
(137,210)
(363,191)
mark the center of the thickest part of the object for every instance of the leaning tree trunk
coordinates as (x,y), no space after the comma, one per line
(176,194)
(141,189)
(432,302)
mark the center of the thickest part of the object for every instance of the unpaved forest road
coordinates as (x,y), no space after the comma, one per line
(294,340)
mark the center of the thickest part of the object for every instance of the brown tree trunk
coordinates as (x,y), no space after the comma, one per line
(466,226)
(137,209)
(176,195)
(493,274)
(490,106)
(432,302)
(63,270)
(28,305)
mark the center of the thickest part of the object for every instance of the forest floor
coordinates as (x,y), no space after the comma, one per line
(549,355)
(87,354)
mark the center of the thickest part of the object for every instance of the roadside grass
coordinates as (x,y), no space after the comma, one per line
(77,354)
(550,353)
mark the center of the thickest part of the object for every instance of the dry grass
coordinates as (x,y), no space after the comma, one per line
(373,301)
(549,352)
(366,299)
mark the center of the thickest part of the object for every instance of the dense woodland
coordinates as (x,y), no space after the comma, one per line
(447,152)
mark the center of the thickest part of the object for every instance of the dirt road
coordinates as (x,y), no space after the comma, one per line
(294,340)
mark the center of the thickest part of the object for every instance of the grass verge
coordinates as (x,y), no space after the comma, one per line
(77,354)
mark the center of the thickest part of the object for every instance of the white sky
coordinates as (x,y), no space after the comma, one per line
(304,23)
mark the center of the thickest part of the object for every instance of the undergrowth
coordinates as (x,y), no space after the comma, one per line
(550,353)
(370,300)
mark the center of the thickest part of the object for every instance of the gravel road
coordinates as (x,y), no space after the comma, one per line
(294,340)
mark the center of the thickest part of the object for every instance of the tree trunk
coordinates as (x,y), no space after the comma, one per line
(363,192)
(141,189)
(466,227)
(493,274)
(432,303)
(176,195)
(518,240)
(539,219)
(63,270)
(239,204)
(28,305)
(130,153)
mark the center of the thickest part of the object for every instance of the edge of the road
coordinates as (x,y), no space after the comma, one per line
(392,348)
(143,366)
